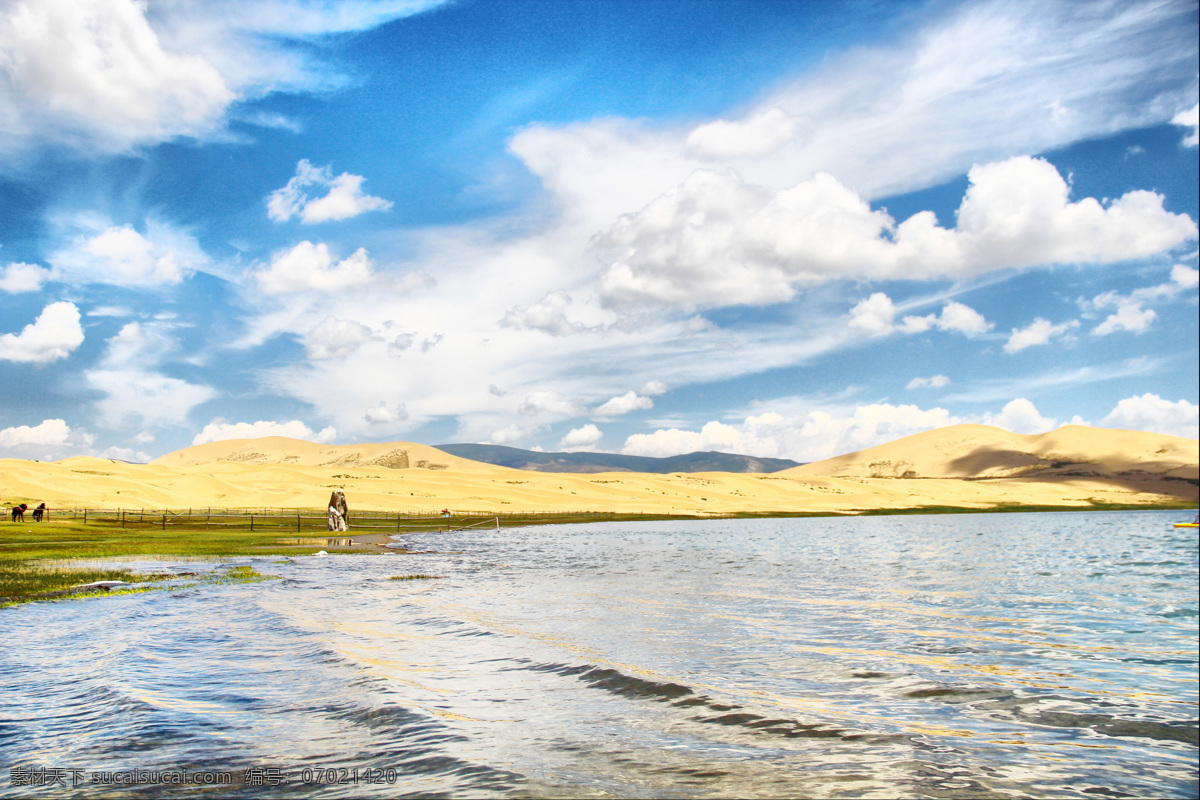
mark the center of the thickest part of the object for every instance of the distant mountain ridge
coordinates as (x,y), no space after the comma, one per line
(708,461)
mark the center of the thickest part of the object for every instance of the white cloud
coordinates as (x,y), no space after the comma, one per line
(810,436)
(53,335)
(134,393)
(121,256)
(383,413)
(622,404)
(219,430)
(53,440)
(758,135)
(963,319)
(716,240)
(937,382)
(876,316)
(827,432)
(512,434)
(1020,416)
(582,439)
(50,440)
(337,338)
(547,402)
(116,74)
(548,315)
(135,396)
(97,68)
(18,277)
(1149,412)
(1038,332)
(654,388)
(1185,277)
(343,199)
(1189,119)
(1129,316)
(310,267)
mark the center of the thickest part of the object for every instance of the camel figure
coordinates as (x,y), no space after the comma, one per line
(339,513)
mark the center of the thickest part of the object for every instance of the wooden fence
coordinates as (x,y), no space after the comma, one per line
(270,519)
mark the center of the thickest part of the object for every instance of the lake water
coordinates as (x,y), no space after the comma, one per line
(997,655)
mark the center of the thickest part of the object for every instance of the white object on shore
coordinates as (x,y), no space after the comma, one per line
(101,585)
(320,553)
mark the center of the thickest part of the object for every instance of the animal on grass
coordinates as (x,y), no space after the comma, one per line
(18,512)
(39,512)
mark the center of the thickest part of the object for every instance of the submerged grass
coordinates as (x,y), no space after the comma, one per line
(27,582)
(44,561)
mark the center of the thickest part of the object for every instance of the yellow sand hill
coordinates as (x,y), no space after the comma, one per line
(980,451)
(965,466)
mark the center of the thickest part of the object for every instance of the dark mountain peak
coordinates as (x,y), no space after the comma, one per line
(706,461)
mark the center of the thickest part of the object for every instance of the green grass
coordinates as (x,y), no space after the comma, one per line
(74,540)
(26,582)
(414,577)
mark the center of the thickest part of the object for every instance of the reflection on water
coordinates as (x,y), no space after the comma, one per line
(963,655)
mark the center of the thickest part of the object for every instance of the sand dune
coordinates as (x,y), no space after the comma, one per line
(980,451)
(967,466)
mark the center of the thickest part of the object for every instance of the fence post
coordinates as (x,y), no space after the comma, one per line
(122,518)
(164,522)
(251,523)
(85,516)
(297,522)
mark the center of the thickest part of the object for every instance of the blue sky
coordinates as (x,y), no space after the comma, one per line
(787,229)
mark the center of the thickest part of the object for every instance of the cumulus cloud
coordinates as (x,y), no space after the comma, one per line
(54,439)
(1020,416)
(582,439)
(97,68)
(104,74)
(876,315)
(654,388)
(826,432)
(936,382)
(717,240)
(219,430)
(622,404)
(1038,332)
(813,436)
(1189,119)
(310,267)
(19,277)
(50,440)
(759,134)
(1149,412)
(513,434)
(52,336)
(548,315)
(337,338)
(384,413)
(344,197)
(121,256)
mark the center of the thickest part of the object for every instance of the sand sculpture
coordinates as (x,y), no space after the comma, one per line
(339,514)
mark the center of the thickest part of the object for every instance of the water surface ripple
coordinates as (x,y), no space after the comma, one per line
(1001,655)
